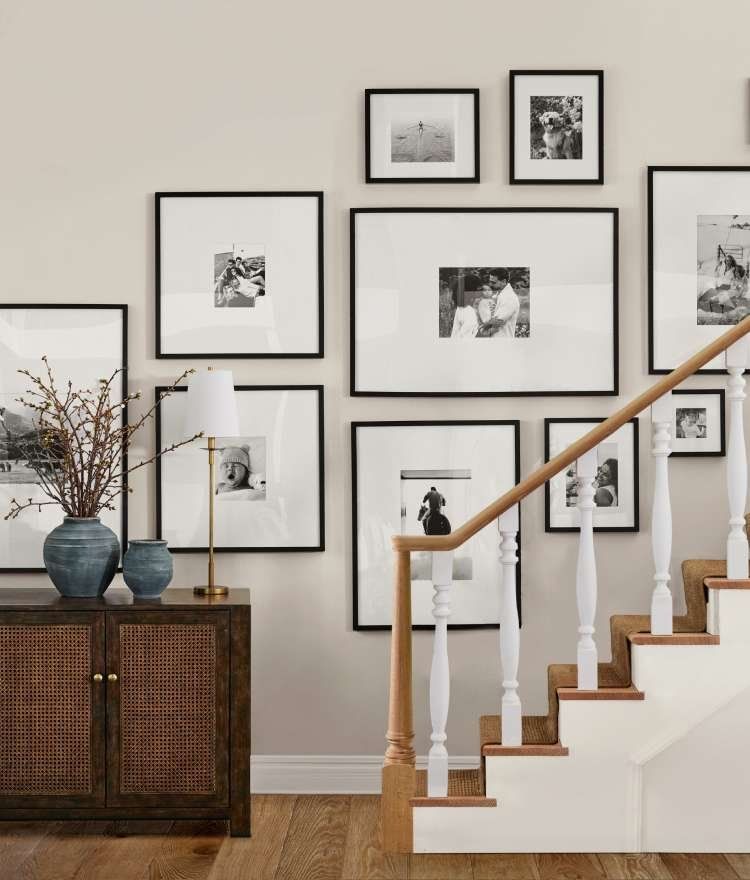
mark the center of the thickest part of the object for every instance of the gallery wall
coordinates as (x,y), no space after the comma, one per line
(104,104)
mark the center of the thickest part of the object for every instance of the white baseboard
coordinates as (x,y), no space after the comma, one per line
(327,774)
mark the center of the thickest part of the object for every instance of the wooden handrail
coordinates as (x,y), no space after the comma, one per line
(575,450)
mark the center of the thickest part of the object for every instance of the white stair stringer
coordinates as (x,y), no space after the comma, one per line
(593,799)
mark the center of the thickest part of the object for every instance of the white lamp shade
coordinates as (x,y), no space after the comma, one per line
(211,405)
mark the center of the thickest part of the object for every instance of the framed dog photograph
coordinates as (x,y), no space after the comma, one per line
(483,301)
(698,259)
(556,126)
(82,344)
(698,423)
(239,275)
(416,478)
(615,485)
(422,135)
(269,480)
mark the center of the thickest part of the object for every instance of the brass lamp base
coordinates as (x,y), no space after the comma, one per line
(211,591)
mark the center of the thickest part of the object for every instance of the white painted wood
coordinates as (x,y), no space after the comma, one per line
(586,587)
(737,547)
(661,517)
(440,683)
(510,634)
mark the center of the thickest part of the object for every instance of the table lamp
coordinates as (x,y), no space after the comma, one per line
(212,411)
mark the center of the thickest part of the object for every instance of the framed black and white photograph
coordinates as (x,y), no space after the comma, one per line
(556,126)
(239,275)
(269,491)
(416,478)
(615,484)
(83,344)
(698,425)
(422,135)
(698,257)
(483,301)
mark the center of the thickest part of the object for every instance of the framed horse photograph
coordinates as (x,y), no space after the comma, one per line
(415,478)
(698,259)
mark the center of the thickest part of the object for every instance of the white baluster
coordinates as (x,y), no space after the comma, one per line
(440,681)
(586,575)
(736,361)
(661,517)
(510,636)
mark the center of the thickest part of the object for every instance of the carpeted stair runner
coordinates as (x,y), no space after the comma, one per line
(461,783)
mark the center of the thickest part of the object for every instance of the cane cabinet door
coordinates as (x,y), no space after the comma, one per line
(167,708)
(51,709)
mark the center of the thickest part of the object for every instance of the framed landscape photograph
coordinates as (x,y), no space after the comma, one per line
(269,481)
(698,426)
(483,301)
(698,258)
(556,126)
(422,135)
(615,485)
(239,274)
(83,344)
(417,478)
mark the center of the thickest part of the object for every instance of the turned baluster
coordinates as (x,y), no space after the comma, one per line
(736,361)
(661,517)
(510,635)
(440,679)
(586,574)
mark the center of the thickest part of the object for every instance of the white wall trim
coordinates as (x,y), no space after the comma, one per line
(328,774)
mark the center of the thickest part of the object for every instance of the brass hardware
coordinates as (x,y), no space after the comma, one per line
(212,589)
(98,676)
(111,677)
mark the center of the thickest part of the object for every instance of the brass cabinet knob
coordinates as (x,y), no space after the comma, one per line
(98,676)
(111,677)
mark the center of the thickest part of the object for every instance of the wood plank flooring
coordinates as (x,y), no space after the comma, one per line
(321,837)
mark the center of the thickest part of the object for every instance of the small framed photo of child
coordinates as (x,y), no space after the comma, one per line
(269,481)
(698,422)
(556,126)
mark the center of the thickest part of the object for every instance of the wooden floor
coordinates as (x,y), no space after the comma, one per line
(301,838)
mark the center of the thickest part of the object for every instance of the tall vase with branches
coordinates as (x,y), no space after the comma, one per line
(78,450)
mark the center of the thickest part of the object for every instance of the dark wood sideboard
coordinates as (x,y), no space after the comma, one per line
(125,708)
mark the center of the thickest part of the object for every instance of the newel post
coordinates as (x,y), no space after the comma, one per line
(399,770)
(510,634)
(661,517)
(736,361)
(586,587)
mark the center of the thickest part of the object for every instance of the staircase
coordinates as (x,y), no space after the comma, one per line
(645,753)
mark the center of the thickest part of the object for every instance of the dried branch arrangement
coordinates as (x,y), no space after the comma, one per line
(79,444)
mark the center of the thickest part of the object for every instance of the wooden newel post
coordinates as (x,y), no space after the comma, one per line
(399,769)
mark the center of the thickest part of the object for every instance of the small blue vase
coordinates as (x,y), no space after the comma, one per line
(147,567)
(81,556)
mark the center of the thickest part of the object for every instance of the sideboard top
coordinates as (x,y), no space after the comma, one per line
(116,597)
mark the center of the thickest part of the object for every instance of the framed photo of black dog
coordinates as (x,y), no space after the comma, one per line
(556,126)
(416,478)
(269,481)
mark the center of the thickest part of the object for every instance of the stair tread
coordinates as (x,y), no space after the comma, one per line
(603,693)
(684,638)
(716,583)
(465,789)
(495,750)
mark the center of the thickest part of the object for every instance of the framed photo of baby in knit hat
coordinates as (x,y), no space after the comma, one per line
(269,480)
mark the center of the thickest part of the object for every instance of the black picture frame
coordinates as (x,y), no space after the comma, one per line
(512,178)
(321,546)
(356,625)
(319,353)
(666,169)
(613,392)
(475,178)
(722,423)
(123,309)
(550,529)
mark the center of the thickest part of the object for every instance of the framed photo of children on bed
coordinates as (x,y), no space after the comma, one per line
(615,484)
(417,478)
(269,481)
(239,274)
(556,126)
(483,301)
(699,259)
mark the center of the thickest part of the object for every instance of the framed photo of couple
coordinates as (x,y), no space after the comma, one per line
(429,478)
(615,485)
(483,301)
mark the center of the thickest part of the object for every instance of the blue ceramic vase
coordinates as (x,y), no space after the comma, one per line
(81,556)
(147,567)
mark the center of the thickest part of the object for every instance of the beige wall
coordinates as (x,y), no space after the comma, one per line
(103,103)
